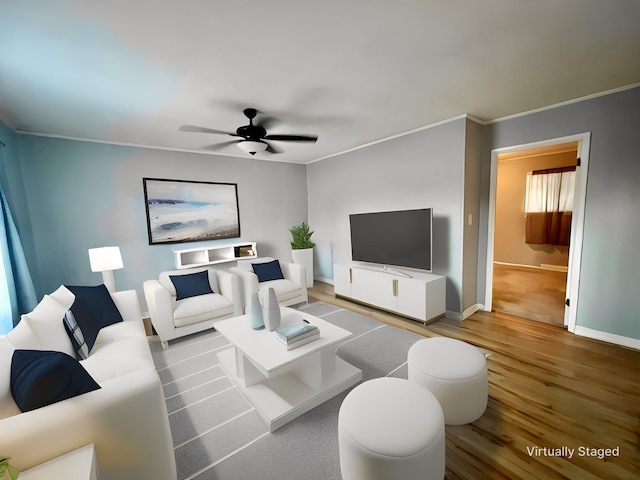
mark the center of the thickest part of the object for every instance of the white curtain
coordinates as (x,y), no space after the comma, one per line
(550,192)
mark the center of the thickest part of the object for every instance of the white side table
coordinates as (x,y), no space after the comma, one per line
(78,464)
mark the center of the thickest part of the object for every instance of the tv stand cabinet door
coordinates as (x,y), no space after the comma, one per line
(384,288)
(342,280)
(361,281)
(412,298)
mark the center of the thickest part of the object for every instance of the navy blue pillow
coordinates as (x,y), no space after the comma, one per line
(191,285)
(82,326)
(268,271)
(40,378)
(99,300)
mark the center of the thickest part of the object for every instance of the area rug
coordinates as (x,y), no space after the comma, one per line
(217,434)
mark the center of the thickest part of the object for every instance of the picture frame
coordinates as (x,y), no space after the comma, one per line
(180,211)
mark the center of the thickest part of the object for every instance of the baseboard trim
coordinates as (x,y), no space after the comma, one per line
(453,315)
(324,280)
(471,310)
(608,337)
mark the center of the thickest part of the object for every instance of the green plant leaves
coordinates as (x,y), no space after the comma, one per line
(301,237)
(6,468)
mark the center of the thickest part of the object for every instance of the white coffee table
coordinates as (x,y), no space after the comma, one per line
(283,384)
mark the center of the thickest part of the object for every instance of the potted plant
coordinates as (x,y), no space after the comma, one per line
(302,249)
(7,472)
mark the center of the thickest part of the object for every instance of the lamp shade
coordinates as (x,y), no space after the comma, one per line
(105,258)
(252,146)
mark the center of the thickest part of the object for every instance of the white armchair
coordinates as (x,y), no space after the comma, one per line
(290,290)
(172,317)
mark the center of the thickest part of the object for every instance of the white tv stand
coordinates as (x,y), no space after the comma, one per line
(410,293)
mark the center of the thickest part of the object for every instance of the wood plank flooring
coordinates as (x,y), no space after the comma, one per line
(528,292)
(548,388)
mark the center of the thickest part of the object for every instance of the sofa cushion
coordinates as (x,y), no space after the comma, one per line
(285,289)
(198,309)
(82,327)
(100,302)
(120,331)
(267,271)
(46,322)
(113,359)
(40,378)
(191,285)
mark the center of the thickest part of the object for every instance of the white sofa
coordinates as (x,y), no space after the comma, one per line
(174,318)
(126,418)
(291,290)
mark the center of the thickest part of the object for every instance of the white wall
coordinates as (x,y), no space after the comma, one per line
(419,170)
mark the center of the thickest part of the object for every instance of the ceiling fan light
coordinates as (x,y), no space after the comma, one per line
(252,147)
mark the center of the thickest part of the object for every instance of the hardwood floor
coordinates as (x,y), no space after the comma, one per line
(531,293)
(548,388)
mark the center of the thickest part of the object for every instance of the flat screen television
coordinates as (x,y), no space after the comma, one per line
(401,238)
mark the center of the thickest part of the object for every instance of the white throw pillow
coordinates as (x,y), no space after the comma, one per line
(46,321)
(64,297)
(22,336)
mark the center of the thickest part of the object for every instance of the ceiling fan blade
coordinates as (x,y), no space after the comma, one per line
(219,146)
(196,129)
(292,138)
(272,149)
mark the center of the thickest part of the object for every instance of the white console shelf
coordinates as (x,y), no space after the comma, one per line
(410,293)
(211,255)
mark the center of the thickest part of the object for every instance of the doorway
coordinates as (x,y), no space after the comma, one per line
(523,274)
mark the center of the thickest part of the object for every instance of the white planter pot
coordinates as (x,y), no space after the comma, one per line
(305,257)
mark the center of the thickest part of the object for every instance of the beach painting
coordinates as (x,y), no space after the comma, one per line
(186,211)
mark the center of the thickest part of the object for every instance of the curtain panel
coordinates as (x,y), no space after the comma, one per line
(549,205)
(17,293)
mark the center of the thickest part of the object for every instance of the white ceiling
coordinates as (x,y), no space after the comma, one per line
(350,71)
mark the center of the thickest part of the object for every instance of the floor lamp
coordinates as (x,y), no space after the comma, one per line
(106,260)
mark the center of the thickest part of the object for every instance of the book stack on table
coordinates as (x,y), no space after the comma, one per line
(297,334)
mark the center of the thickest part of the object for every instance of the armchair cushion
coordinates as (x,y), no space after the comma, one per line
(197,309)
(40,378)
(191,285)
(267,271)
(285,289)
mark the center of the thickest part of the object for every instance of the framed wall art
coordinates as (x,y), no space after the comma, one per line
(190,211)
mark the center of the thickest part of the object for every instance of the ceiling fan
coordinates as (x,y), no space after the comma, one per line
(254,136)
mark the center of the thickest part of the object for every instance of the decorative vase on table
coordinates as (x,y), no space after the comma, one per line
(271,310)
(255,313)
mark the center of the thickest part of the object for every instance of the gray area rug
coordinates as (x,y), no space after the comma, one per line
(217,434)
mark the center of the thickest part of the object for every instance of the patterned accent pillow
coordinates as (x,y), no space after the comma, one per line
(82,326)
(75,334)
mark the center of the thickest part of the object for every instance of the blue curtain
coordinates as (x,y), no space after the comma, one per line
(17,293)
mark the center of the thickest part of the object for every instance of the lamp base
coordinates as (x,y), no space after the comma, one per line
(109,280)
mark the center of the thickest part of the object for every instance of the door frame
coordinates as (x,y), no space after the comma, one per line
(577,221)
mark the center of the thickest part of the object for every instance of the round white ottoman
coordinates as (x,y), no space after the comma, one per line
(391,428)
(455,372)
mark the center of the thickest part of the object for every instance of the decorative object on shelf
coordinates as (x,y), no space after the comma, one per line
(214,254)
(184,211)
(255,312)
(271,310)
(7,472)
(302,249)
(106,260)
